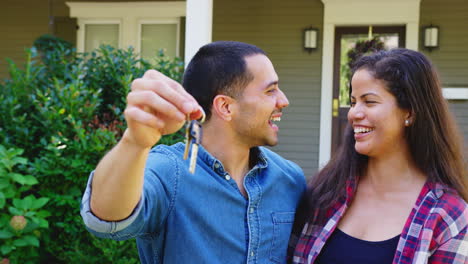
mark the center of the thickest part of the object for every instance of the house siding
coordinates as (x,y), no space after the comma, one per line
(451,58)
(276,26)
(23,21)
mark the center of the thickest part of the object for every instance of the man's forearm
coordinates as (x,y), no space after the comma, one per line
(118,181)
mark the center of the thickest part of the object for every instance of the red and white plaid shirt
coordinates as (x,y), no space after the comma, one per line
(435,232)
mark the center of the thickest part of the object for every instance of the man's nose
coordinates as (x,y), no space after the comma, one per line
(282,101)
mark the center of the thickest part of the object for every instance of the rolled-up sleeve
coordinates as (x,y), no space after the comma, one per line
(101,227)
(155,204)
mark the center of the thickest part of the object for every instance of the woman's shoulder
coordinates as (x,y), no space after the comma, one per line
(448,201)
(449,214)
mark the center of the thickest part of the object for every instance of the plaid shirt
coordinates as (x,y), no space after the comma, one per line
(435,232)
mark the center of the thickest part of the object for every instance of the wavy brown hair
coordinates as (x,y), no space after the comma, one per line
(433,138)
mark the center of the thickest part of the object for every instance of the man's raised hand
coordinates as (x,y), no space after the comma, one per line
(156,106)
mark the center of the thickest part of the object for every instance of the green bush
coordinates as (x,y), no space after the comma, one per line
(21,216)
(65,110)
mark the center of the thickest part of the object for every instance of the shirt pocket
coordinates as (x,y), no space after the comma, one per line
(282,227)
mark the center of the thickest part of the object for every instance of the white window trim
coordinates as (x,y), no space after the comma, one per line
(159,22)
(128,13)
(80,45)
(355,13)
(459,93)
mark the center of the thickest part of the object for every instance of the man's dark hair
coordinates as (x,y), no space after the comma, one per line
(219,68)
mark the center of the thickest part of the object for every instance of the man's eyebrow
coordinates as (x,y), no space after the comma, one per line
(272,83)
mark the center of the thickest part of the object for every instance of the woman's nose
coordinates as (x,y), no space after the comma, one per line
(355,113)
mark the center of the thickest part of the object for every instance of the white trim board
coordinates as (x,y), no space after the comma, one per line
(357,13)
(126,9)
(455,93)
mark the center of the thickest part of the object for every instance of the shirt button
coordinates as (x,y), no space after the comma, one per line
(227,177)
(216,165)
(252,253)
(252,210)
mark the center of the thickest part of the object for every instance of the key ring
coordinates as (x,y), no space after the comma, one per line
(201,119)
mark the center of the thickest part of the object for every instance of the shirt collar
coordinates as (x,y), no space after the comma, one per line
(257,155)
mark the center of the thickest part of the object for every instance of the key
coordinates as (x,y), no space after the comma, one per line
(193,136)
(196,136)
(187,137)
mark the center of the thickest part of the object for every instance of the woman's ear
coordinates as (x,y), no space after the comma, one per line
(410,118)
(223,106)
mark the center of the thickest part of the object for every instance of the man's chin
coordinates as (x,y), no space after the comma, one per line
(271,142)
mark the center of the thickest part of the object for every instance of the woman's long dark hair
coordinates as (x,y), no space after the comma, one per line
(433,138)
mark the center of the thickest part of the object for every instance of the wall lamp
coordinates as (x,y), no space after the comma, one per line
(431,37)
(310,39)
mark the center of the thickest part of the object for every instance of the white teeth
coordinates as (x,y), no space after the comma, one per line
(362,130)
(276,119)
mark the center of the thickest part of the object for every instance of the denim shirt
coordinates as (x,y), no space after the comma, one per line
(204,218)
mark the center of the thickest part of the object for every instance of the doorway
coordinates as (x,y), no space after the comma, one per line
(345,39)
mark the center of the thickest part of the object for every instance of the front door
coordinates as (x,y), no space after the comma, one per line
(345,39)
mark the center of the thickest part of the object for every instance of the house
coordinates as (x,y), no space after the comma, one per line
(310,129)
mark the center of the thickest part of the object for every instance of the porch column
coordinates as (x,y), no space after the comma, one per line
(198,26)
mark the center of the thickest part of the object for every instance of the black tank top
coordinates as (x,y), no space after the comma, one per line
(342,248)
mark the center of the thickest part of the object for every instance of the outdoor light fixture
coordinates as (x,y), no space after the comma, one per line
(431,37)
(310,39)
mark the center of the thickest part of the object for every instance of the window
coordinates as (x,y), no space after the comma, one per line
(100,34)
(146,26)
(156,35)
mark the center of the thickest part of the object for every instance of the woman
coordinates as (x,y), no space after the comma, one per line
(396,191)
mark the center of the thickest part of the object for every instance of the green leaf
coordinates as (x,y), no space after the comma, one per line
(31,240)
(2,200)
(17,178)
(9,193)
(30,180)
(18,160)
(5,249)
(38,203)
(3,172)
(18,203)
(5,234)
(20,242)
(4,182)
(15,211)
(8,164)
(43,223)
(43,214)
(30,214)
(28,201)
(15,152)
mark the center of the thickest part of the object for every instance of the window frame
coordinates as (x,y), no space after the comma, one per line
(128,15)
(162,21)
(82,23)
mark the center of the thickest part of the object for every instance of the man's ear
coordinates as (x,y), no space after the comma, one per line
(223,106)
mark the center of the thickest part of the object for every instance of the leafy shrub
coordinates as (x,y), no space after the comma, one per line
(21,216)
(65,109)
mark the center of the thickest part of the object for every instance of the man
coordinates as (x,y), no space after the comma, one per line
(238,206)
